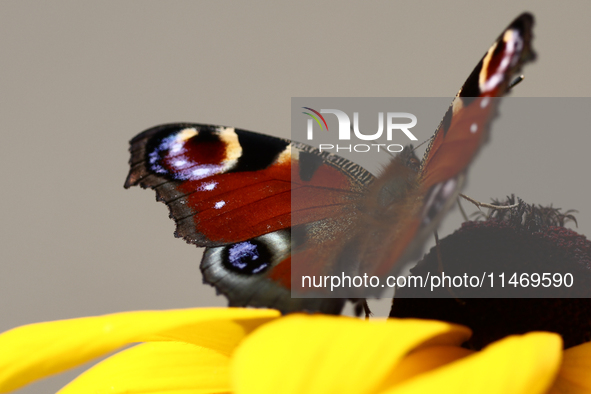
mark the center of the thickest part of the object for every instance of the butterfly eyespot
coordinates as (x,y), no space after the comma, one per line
(248,257)
(193,154)
(440,195)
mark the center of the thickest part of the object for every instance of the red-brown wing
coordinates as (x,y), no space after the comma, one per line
(424,198)
(224,185)
(232,190)
(466,124)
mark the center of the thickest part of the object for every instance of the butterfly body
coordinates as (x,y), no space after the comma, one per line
(268,209)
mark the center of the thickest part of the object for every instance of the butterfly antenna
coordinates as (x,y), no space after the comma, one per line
(516,81)
(412,151)
(392,155)
(485,205)
(419,145)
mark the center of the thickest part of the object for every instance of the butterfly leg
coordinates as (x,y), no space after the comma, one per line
(361,304)
(462,211)
(516,81)
(485,205)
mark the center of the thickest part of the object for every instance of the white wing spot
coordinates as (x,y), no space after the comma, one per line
(200,172)
(207,186)
(474,128)
(176,147)
(484,102)
(220,204)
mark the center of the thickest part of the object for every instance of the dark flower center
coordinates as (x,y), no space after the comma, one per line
(526,239)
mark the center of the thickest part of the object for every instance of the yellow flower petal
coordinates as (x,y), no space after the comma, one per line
(157,367)
(424,360)
(31,352)
(320,354)
(516,364)
(575,373)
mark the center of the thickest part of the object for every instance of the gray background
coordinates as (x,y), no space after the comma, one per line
(79,79)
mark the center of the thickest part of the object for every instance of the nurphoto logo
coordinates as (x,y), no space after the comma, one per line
(344,130)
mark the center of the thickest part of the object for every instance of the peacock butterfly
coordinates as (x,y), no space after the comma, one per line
(233,191)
